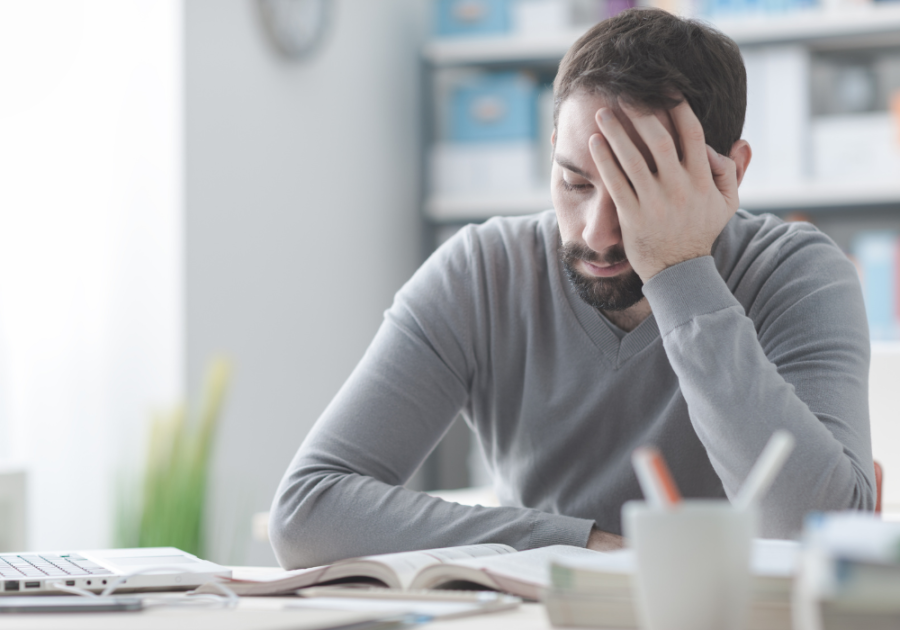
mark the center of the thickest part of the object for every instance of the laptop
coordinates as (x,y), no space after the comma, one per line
(154,569)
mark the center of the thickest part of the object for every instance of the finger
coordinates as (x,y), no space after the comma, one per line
(724,173)
(658,139)
(693,139)
(617,184)
(631,159)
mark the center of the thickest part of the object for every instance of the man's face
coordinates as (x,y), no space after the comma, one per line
(592,252)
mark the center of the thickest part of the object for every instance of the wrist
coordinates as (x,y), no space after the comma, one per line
(685,291)
(604,541)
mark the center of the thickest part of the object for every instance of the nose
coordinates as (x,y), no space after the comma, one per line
(601,223)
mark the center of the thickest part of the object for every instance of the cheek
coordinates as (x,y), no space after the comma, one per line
(566,213)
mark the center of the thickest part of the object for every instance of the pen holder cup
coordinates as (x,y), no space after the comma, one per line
(693,564)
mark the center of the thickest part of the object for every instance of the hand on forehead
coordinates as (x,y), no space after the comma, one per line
(578,122)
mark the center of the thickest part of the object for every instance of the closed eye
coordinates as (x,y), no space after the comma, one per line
(575,187)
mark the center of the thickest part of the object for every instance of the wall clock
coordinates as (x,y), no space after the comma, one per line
(295,27)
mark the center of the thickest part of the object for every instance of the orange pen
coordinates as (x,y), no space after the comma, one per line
(656,481)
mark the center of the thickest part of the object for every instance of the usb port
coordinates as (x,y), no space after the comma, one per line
(70,582)
(11,585)
(32,585)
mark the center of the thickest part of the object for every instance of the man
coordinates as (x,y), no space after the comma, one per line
(646,310)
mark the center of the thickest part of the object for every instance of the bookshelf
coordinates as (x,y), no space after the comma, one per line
(839,208)
(862,26)
(807,197)
(858,25)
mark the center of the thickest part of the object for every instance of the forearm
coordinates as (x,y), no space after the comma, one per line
(814,386)
(342,495)
(322,517)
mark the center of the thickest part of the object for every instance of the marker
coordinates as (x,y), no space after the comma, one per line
(656,481)
(765,469)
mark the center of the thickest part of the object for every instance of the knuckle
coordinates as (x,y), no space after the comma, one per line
(634,163)
(694,131)
(664,146)
(679,198)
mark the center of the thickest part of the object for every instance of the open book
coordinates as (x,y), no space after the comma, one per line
(498,567)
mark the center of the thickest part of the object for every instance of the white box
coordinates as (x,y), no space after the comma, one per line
(856,148)
(539,17)
(777,120)
(481,168)
(12,510)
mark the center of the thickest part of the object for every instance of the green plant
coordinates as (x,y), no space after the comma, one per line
(165,507)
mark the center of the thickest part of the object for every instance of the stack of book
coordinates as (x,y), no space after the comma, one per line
(597,592)
(850,574)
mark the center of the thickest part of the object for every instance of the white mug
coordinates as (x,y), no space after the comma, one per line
(693,563)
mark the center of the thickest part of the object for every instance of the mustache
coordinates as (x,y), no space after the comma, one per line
(570,252)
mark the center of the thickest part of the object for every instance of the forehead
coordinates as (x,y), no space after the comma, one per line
(576,122)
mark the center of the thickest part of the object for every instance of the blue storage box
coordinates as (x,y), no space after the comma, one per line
(494,107)
(471,17)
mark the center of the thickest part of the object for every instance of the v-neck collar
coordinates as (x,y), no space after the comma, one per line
(617,351)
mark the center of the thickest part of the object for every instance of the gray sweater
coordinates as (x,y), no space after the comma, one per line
(769,332)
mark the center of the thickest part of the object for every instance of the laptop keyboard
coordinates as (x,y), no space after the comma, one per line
(35,566)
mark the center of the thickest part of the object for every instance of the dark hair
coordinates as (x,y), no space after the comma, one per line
(647,57)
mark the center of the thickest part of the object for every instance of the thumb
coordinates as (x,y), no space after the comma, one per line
(724,172)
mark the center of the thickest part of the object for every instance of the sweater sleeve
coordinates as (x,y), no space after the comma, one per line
(798,362)
(342,494)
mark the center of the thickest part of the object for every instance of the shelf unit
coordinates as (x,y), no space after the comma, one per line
(854,27)
(872,24)
(839,209)
(803,198)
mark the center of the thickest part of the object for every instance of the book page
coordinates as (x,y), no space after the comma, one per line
(267,574)
(396,570)
(407,564)
(531,566)
(523,573)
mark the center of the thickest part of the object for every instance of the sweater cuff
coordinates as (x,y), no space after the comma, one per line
(687,290)
(556,529)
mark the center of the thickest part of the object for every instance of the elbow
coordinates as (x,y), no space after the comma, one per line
(302,528)
(850,487)
(281,539)
(866,495)
(283,535)
(861,490)
(857,490)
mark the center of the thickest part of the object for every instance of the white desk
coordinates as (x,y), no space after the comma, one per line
(254,613)
(526,617)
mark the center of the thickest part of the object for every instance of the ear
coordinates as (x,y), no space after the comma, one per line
(553,138)
(741,154)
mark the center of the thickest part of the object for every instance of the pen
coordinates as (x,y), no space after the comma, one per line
(765,469)
(656,481)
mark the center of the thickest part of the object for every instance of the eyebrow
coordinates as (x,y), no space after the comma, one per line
(570,165)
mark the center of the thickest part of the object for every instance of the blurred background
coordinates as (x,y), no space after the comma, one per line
(187,183)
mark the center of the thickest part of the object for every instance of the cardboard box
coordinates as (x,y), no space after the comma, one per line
(471,17)
(494,107)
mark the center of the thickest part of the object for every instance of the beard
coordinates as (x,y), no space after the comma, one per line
(603,294)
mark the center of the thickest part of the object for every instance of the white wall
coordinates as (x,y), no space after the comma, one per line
(884,409)
(302,192)
(90,248)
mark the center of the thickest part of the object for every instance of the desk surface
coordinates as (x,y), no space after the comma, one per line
(256,613)
(526,617)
